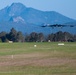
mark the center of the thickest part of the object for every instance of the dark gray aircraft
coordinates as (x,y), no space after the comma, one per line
(57,25)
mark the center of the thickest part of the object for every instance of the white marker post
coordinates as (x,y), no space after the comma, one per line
(35,45)
(12,56)
(61,44)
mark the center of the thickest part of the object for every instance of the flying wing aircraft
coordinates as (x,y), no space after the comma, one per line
(57,25)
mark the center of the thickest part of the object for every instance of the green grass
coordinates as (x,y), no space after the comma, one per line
(45,59)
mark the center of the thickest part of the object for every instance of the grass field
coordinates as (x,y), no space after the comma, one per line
(45,59)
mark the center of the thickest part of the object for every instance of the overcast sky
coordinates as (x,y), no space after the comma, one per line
(65,7)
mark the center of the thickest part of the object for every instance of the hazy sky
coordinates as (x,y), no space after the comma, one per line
(65,7)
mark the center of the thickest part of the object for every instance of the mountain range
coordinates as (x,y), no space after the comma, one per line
(27,19)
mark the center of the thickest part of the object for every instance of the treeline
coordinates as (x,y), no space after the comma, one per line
(15,36)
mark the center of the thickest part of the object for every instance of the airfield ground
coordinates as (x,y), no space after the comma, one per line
(47,58)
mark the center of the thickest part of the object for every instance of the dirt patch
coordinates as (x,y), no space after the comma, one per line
(35,60)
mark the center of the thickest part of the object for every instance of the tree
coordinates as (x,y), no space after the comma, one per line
(40,37)
(33,37)
(75,38)
(68,37)
(51,37)
(59,36)
(13,35)
(3,36)
(20,37)
(27,38)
